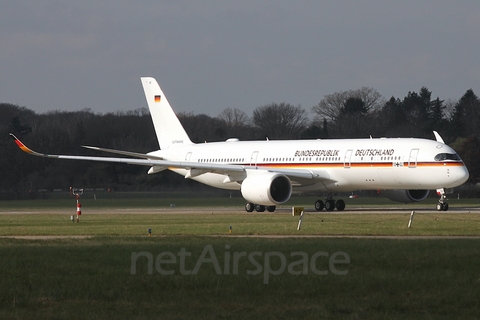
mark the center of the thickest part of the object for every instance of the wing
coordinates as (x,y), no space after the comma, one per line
(24,148)
(125,153)
(233,172)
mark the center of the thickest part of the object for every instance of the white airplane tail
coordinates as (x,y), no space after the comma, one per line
(167,126)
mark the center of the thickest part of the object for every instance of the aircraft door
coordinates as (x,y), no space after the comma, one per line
(347,161)
(253,158)
(412,159)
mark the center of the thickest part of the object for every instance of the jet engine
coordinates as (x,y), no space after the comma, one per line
(406,196)
(267,189)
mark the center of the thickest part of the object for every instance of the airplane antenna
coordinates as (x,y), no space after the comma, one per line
(438,137)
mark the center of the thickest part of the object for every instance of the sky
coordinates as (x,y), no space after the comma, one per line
(215,54)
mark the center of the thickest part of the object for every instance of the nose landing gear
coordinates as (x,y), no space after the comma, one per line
(442,205)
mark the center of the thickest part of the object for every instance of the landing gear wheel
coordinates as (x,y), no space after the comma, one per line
(271,208)
(329,205)
(340,205)
(319,205)
(442,206)
(249,207)
(259,208)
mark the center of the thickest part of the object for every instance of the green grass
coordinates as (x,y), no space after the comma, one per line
(386,279)
(218,223)
(85,278)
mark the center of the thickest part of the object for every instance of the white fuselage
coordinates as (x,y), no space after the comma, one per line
(339,165)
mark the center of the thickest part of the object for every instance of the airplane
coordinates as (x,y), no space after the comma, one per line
(268,172)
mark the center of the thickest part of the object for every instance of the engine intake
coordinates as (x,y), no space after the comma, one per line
(267,189)
(406,196)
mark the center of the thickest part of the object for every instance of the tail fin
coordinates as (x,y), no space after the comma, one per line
(167,126)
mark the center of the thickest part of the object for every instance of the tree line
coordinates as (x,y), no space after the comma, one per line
(357,113)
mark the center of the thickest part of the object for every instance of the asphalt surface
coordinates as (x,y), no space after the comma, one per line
(233,210)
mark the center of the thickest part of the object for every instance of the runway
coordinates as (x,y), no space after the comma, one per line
(241,211)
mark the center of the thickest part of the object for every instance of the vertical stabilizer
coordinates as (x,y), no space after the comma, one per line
(167,126)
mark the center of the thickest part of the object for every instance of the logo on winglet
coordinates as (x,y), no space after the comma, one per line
(157,98)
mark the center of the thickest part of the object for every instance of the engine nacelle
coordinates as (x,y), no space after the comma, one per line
(406,196)
(267,189)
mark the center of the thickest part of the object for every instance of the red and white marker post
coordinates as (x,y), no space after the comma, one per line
(77,193)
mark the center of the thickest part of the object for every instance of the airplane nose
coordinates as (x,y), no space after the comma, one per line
(460,174)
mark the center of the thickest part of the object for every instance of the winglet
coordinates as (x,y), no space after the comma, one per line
(26,149)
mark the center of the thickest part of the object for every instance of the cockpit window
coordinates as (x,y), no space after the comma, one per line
(447,156)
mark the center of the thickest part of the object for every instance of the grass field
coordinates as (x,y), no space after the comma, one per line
(92,278)
(192,267)
(214,223)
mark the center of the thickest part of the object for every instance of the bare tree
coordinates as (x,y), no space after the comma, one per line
(234,118)
(236,124)
(332,106)
(280,121)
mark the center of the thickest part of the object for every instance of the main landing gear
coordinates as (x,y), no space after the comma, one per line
(330,204)
(249,207)
(442,205)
